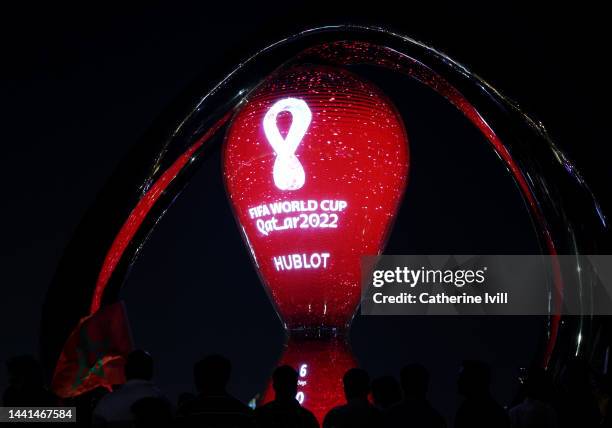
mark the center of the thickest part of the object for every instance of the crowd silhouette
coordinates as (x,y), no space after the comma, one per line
(578,398)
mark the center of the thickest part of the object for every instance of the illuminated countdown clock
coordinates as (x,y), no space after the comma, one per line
(315,163)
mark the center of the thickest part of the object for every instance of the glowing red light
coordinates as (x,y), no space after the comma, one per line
(315,166)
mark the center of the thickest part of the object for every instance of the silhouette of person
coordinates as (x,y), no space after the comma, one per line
(479,409)
(576,404)
(535,410)
(115,407)
(414,410)
(357,412)
(152,412)
(385,392)
(26,385)
(285,411)
(214,406)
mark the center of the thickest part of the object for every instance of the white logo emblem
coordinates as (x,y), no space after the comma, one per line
(288,172)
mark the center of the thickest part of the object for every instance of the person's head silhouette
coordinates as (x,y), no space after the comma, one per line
(385,391)
(212,374)
(474,378)
(139,366)
(356,384)
(415,381)
(284,382)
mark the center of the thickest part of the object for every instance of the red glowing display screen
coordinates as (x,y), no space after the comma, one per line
(315,165)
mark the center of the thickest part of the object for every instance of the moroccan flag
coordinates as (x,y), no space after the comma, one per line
(94,354)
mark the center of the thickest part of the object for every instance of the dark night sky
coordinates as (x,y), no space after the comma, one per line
(79,86)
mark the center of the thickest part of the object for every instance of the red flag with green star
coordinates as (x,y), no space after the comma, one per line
(94,354)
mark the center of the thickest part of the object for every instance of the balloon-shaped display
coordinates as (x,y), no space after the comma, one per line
(315,166)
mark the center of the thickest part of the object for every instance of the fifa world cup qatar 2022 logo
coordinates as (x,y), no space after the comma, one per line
(315,165)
